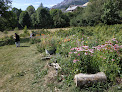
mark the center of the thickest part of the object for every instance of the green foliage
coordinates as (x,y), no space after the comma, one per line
(4,6)
(17,12)
(59,19)
(24,19)
(25,30)
(43,18)
(7,41)
(30,9)
(35,40)
(34,21)
(40,48)
(16,29)
(3,23)
(110,15)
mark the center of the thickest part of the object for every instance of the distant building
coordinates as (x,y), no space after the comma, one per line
(73,7)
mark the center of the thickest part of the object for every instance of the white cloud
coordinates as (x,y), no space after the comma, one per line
(37,2)
(27,4)
(36,5)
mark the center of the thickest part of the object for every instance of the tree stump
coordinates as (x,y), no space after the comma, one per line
(86,79)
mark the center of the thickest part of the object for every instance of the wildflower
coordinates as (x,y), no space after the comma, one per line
(73,49)
(85,47)
(75,52)
(78,54)
(104,58)
(91,50)
(114,39)
(70,52)
(86,53)
(74,61)
(113,59)
(42,34)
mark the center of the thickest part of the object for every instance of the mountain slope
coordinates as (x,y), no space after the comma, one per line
(67,3)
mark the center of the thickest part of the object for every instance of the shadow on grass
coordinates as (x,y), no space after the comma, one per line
(24,46)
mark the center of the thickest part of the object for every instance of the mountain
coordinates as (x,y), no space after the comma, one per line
(67,3)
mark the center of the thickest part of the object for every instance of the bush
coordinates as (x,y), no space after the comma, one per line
(7,41)
(16,29)
(35,40)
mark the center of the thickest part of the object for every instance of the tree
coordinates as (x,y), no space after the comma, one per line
(17,12)
(43,18)
(41,5)
(24,19)
(59,19)
(34,21)
(3,23)
(111,14)
(30,9)
(4,6)
(4,14)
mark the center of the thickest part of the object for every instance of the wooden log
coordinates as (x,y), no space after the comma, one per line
(86,79)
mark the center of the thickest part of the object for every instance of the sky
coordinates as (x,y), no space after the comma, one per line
(23,4)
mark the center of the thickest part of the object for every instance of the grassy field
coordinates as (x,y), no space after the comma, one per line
(22,70)
(9,33)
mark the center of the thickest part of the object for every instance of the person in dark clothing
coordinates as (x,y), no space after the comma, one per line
(17,40)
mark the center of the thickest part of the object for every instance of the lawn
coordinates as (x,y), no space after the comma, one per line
(19,69)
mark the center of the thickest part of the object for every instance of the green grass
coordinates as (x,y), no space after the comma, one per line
(17,68)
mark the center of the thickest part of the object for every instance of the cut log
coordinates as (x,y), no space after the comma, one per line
(86,79)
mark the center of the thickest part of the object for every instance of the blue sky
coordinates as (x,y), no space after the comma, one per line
(23,4)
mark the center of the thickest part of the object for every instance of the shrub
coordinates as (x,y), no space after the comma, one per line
(16,29)
(35,40)
(25,31)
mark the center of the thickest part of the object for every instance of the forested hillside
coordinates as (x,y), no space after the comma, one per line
(97,12)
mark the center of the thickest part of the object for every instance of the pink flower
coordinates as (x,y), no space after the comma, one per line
(114,39)
(75,52)
(91,50)
(70,52)
(91,54)
(104,58)
(86,53)
(78,54)
(113,59)
(86,47)
(120,46)
(74,61)
(73,49)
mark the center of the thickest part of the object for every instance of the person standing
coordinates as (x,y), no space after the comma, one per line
(17,40)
